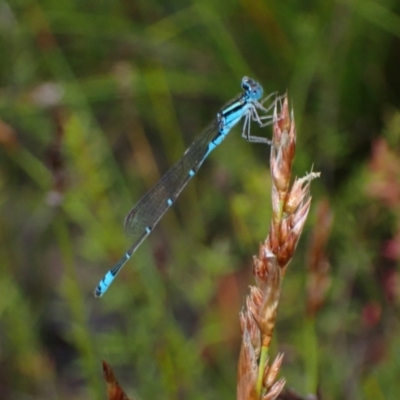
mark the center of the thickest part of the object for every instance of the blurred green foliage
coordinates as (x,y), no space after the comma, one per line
(97,99)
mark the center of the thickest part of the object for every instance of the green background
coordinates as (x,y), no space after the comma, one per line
(98,99)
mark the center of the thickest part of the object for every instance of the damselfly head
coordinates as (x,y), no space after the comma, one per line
(252,88)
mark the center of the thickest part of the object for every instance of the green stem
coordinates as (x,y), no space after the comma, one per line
(261,368)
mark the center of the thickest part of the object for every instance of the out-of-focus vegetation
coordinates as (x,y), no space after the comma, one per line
(98,99)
